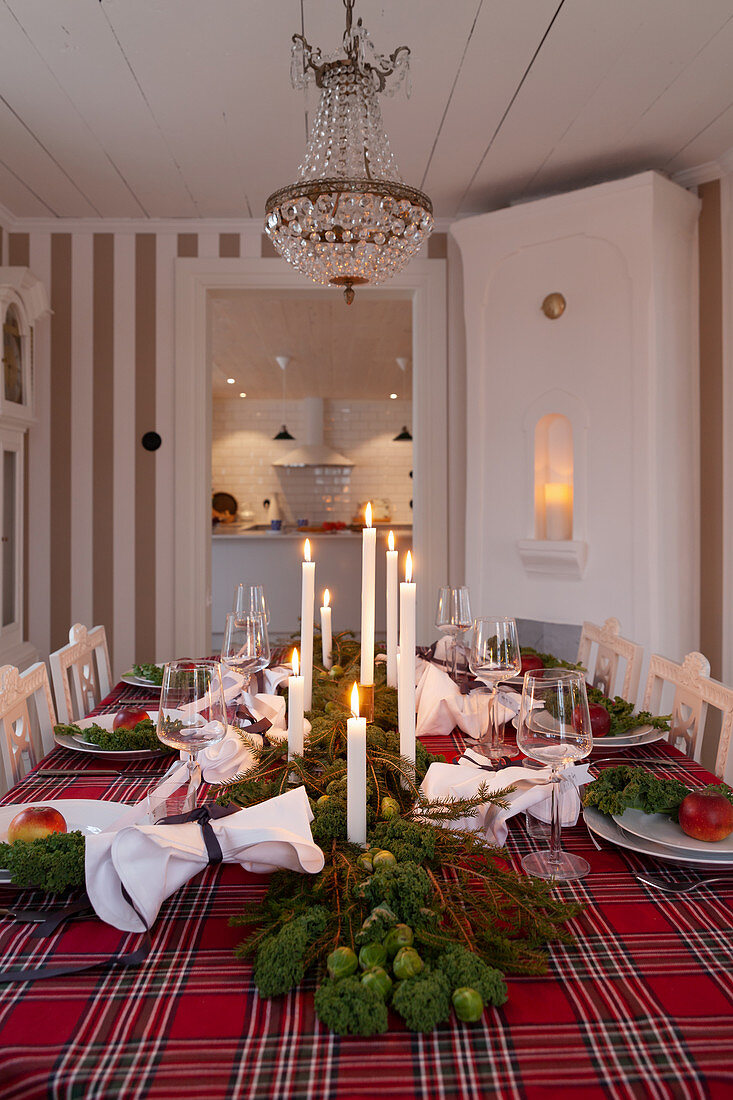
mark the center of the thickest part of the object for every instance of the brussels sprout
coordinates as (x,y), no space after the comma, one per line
(323,800)
(379,980)
(398,937)
(372,954)
(468,1005)
(366,863)
(336,671)
(390,807)
(383,859)
(341,962)
(407,963)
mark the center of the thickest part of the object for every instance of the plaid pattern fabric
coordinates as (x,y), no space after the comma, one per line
(638,1006)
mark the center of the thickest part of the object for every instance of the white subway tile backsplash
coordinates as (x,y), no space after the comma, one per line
(243,451)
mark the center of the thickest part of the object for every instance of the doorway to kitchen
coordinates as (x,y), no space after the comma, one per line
(198,282)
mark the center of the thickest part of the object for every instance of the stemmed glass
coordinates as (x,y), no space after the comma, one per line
(495,655)
(249,599)
(246,646)
(192,713)
(452,617)
(554,728)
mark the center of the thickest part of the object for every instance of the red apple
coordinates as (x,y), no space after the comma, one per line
(600,719)
(34,822)
(531,663)
(128,717)
(706,815)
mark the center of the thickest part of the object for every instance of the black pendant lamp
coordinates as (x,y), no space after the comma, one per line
(282,362)
(404,436)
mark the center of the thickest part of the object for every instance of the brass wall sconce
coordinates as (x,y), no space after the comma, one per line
(554,306)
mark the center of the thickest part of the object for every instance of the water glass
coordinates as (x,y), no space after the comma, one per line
(494,656)
(453,617)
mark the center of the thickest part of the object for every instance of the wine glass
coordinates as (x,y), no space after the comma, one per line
(554,728)
(249,599)
(192,713)
(494,655)
(452,617)
(246,646)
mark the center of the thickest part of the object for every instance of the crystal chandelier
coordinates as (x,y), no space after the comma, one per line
(349,219)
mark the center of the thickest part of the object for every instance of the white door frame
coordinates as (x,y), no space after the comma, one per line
(424,282)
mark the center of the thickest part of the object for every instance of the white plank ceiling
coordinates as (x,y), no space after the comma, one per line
(183,108)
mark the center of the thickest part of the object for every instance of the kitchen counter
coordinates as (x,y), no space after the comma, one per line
(272,559)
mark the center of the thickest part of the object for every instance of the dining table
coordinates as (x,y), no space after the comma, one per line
(638,1004)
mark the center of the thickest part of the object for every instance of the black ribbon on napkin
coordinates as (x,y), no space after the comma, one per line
(257,725)
(465,680)
(203,816)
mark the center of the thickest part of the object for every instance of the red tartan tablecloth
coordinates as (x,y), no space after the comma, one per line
(640,1005)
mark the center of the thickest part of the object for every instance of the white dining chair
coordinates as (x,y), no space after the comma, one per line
(611,648)
(694,692)
(28,717)
(81,672)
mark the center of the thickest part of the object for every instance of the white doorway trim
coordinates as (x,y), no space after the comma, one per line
(424,282)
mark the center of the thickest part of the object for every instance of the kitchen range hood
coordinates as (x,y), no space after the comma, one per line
(314,451)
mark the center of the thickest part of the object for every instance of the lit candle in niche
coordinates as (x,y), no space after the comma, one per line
(307,600)
(406,687)
(558,511)
(326,635)
(295,711)
(392,611)
(356,795)
(368,567)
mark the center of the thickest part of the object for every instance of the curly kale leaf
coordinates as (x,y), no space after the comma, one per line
(349,1007)
(618,789)
(423,1001)
(463,968)
(52,863)
(377,925)
(154,673)
(405,887)
(281,964)
(142,736)
(623,718)
(407,840)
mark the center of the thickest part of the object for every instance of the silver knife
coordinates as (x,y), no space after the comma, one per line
(53,773)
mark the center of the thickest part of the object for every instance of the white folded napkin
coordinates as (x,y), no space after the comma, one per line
(532,789)
(151,862)
(225,759)
(441,707)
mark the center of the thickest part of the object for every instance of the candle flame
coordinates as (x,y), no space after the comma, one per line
(307,550)
(355,700)
(390,541)
(295,663)
(368,514)
(326,597)
(408,567)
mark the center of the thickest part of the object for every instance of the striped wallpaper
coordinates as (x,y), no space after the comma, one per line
(100,522)
(100,505)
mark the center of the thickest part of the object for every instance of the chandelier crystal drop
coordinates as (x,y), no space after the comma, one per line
(348,220)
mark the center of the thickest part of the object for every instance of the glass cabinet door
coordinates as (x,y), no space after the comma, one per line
(11,544)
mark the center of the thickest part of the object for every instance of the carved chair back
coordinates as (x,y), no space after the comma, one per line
(28,717)
(694,692)
(81,672)
(611,648)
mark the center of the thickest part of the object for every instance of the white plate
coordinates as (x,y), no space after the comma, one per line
(606,828)
(130,678)
(74,742)
(642,735)
(87,815)
(663,830)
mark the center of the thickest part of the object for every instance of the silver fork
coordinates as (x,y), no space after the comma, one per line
(669,886)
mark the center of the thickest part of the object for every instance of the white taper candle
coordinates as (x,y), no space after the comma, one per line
(368,566)
(295,711)
(406,687)
(392,611)
(356,828)
(326,635)
(307,602)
